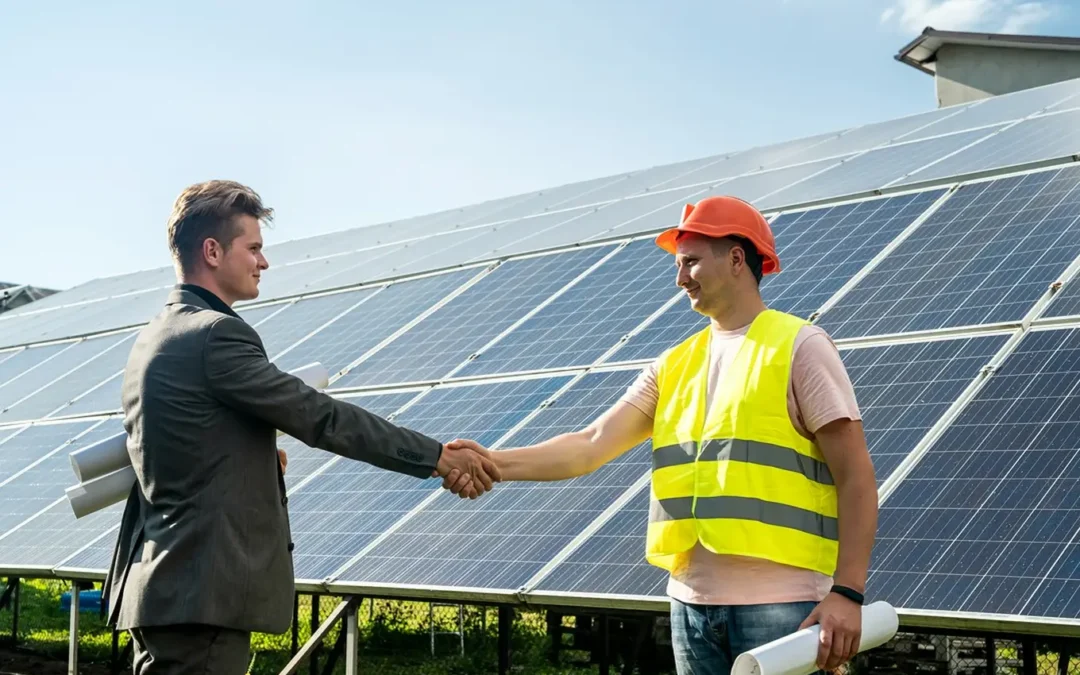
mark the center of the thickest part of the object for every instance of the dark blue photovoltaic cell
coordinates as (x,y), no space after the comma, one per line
(820,250)
(612,560)
(987,521)
(343,509)
(506,537)
(44,480)
(74,355)
(286,328)
(442,341)
(25,359)
(985,256)
(51,401)
(1038,138)
(903,390)
(54,534)
(872,170)
(363,328)
(22,449)
(1067,300)
(589,318)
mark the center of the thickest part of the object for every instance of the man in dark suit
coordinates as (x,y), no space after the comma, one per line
(203,557)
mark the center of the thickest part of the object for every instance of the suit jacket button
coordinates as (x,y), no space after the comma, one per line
(291,546)
(284,501)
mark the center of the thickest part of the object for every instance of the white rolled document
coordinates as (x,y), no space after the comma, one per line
(104,471)
(796,654)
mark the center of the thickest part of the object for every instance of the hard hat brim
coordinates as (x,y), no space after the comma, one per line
(667,240)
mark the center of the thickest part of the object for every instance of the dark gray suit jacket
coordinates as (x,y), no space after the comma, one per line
(205,534)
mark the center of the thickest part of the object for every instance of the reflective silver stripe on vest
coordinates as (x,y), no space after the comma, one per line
(751,452)
(745,508)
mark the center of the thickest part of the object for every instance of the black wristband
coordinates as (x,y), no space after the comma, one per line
(849,593)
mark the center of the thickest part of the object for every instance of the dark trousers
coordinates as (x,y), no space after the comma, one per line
(190,650)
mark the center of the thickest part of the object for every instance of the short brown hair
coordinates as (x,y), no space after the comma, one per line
(206,211)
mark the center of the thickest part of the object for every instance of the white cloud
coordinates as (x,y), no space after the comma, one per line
(999,16)
(1026,17)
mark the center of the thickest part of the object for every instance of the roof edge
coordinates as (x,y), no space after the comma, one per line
(921,52)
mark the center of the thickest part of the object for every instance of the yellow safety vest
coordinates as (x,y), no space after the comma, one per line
(738,478)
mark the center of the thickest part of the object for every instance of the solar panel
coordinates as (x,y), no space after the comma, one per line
(624,217)
(443,340)
(985,256)
(22,449)
(647,180)
(590,318)
(45,372)
(904,389)
(343,509)
(293,323)
(996,109)
(55,535)
(869,136)
(52,399)
(27,358)
(501,540)
(363,328)
(872,170)
(986,521)
(1045,137)
(755,187)
(820,250)
(752,160)
(43,480)
(472,244)
(612,560)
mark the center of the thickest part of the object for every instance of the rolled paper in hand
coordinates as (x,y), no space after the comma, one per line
(101,492)
(98,459)
(796,654)
(104,471)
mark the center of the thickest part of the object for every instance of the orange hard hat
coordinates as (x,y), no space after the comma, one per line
(726,216)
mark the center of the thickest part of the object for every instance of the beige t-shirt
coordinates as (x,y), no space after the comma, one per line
(819,392)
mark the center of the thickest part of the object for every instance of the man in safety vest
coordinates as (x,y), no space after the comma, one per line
(764,501)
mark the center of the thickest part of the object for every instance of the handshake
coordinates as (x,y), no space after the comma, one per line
(467,468)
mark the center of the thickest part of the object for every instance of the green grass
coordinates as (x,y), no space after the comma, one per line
(394,637)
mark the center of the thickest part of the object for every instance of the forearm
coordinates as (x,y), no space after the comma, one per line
(558,458)
(857,512)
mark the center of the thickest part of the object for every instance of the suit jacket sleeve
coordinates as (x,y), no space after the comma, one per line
(241,377)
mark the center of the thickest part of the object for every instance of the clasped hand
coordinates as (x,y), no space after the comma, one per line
(467,469)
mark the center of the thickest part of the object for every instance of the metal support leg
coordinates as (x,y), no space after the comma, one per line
(295,624)
(73,634)
(352,640)
(15,611)
(1031,664)
(605,642)
(506,625)
(316,599)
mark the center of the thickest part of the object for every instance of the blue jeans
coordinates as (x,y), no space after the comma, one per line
(707,639)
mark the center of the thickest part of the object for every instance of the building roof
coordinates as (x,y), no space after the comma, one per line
(921,53)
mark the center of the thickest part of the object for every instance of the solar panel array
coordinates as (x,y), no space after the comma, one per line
(949,290)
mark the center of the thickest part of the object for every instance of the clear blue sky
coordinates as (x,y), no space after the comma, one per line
(351,113)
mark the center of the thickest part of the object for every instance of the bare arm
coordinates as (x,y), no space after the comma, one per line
(844,446)
(619,429)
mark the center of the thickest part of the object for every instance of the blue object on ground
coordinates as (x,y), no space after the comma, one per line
(89,601)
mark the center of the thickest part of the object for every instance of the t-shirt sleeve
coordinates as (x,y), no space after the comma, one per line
(644,392)
(820,382)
